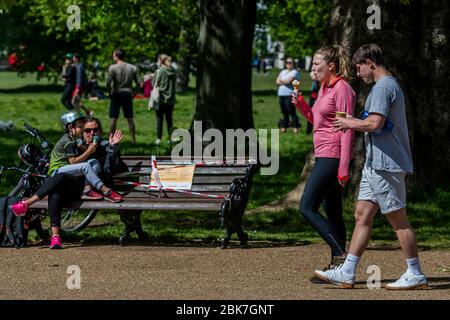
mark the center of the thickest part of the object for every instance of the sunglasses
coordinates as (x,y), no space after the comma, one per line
(288,62)
(89,130)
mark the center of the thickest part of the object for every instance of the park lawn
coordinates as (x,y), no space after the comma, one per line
(37,102)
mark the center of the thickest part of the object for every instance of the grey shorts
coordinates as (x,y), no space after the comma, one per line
(387,189)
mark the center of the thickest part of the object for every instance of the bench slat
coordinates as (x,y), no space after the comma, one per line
(135,204)
(239,170)
(146,163)
(207,188)
(137,194)
(201,179)
(207,161)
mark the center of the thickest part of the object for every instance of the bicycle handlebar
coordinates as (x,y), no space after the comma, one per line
(2,168)
(37,134)
(33,131)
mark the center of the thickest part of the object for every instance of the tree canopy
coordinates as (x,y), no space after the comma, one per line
(37,30)
(300,24)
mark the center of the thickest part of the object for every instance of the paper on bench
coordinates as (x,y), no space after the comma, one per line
(174,176)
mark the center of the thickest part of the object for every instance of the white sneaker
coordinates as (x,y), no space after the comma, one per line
(158,142)
(409,281)
(336,276)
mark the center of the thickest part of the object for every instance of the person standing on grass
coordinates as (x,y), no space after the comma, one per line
(69,75)
(388,160)
(285,89)
(119,83)
(332,150)
(165,80)
(80,85)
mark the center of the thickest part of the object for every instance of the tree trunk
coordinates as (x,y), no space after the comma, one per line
(224,97)
(187,46)
(292,199)
(414,39)
(184,61)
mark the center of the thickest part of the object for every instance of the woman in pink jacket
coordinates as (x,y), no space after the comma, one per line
(332,150)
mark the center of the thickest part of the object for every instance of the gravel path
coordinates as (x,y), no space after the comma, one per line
(150,272)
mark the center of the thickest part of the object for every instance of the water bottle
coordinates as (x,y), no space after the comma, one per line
(388,126)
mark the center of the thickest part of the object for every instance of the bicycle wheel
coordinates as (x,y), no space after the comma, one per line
(75,220)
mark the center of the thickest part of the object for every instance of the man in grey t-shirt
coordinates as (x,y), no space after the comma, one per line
(387,148)
(388,160)
(119,83)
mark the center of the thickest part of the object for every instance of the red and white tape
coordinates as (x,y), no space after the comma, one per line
(148,186)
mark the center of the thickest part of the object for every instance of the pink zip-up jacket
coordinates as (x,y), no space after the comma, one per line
(336,96)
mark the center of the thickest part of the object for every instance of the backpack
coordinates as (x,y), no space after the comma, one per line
(14,230)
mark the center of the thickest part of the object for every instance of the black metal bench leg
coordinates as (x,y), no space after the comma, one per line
(132,221)
(242,235)
(127,220)
(234,225)
(226,239)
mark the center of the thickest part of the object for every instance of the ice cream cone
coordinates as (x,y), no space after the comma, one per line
(296,85)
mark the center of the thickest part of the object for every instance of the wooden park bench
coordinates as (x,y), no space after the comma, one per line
(222,187)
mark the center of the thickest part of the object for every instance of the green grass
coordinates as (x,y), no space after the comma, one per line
(37,102)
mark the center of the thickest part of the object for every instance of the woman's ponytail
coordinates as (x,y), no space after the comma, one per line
(344,63)
(337,55)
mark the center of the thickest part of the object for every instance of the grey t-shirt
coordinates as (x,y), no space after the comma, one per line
(121,76)
(388,151)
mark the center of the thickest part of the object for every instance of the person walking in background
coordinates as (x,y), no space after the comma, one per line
(81,79)
(388,160)
(69,75)
(119,82)
(80,85)
(285,89)
(332,150)
(165,80)
(315,86)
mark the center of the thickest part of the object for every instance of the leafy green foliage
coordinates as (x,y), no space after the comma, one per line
(299,24)
(142,28)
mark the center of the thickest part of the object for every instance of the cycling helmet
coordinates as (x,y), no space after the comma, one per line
(70,117)
(29,154)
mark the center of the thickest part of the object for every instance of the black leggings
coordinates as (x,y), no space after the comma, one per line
(60,189)
(288,109)
(66,98)
(167,110)
(323,185)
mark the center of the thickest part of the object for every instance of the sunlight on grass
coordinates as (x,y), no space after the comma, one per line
(37,102)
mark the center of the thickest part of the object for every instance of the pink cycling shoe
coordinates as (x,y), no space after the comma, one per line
(19,208)
(55,242)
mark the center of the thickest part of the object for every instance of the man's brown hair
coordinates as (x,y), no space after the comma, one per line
(369,51)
